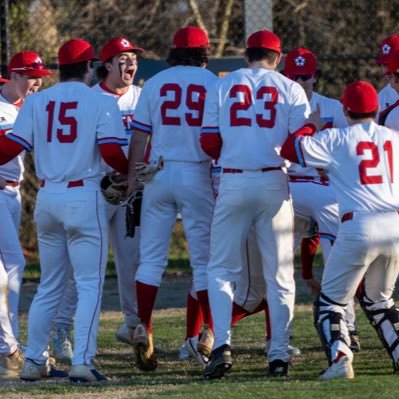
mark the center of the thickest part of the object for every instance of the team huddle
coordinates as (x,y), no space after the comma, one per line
(256,163)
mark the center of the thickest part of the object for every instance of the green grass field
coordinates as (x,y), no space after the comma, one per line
(247,379)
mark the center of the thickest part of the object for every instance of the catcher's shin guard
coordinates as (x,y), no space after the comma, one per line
(330,325)
(386,322)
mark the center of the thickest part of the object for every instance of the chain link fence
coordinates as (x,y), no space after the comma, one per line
(344,34)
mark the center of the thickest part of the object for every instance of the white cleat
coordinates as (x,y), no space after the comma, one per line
(125,334)
(33,371)
(85,373)
(62,346)
(191,347)
(341,369)
(183,354)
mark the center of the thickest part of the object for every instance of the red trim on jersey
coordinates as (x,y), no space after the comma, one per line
(288,150)
(9,149)
(211,143)
(328,125)
(114,156)
(308,251)
(107,89)
(384,114)
(18,103)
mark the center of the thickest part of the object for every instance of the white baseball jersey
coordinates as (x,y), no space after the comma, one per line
(387,96)
(66,133)
(170,108)
(127,103)
(260,108)
(362,160)
(14,169)
(331,113)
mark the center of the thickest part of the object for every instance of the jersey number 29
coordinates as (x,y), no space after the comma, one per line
(69,134)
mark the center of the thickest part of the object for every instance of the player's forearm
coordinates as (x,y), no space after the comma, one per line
(136,154)
(288,150)
(211,144)
(114,156)
(9,149)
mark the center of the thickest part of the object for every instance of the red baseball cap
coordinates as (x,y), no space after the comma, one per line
(387,47)
(2,80)
(74,51)
(190,37)
(393,62)
(117,46)
(28,63)
(360,97)
(300,61)
(264,39)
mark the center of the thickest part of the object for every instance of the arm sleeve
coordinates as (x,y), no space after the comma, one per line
(9,149)
(22,131)
(110,128)
(300,108)
(114,156)
(211,139)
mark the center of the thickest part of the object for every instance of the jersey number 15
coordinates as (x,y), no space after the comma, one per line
(69,134)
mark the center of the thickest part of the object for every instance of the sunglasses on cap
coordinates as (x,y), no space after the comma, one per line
(304,78)
(35,66)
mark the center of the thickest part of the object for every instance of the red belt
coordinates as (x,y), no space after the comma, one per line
(76,183)
(11,183)
(346,216)
(229,170)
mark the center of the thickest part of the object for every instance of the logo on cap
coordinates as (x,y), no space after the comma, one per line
(386,49)
(300,61)
(125,43)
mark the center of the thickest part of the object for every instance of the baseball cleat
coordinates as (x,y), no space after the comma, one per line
(340,369)
(33,371)
(183,354)
(11,365)
(191,347)
(277,368)
(205,342)
(62,346)
(293,351)
(221,362)
(84,373)
(146,359)
(125,334)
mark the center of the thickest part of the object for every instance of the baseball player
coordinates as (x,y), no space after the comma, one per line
(248,114)
(71,128)
(119,58)
(26,70)
(387,96)
(361,160)
(312,195)
(170,110)
(390,116)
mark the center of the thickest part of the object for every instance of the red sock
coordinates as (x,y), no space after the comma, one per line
(239,312)
(339,355)
(206,310)
(146,295)
(194,318)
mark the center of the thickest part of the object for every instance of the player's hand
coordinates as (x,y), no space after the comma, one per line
(314,286)
(3,183)
(315,118)
(132,185)
(322,173)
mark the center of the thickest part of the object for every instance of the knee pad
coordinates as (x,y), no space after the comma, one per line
(386,323)
(329,325)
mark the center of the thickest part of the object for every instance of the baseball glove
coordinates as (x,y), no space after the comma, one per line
(146,171)
(114,188)
(132,215)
